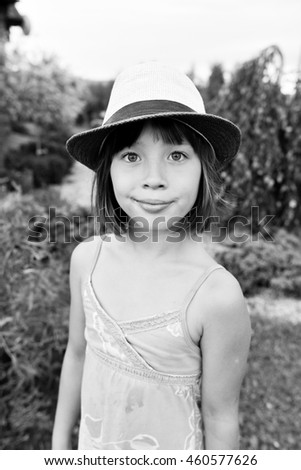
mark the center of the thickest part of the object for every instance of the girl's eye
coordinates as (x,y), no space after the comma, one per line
(177,156)
(131,157)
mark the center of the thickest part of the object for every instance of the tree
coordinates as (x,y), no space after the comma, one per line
(215,82)
(264,173)
(9,16)
(96,100)
(40,91)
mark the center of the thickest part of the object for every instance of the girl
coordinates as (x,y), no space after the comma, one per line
(159,332)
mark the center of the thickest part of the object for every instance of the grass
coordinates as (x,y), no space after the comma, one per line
(270,398)
(34,322)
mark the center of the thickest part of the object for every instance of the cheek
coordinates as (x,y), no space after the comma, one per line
(192,180)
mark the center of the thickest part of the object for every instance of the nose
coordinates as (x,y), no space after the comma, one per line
(154,176)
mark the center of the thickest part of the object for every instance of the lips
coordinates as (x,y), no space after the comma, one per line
(153,202)
(153,205)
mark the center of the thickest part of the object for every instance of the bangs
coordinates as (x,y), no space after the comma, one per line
(169,130)
(173,132)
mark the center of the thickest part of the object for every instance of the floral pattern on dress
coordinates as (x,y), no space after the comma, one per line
(184,391)
(139,442)
(94,426)
(196,435)
(108,344)
(175,329)
(134,400)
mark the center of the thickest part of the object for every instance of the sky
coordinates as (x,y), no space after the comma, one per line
(98,38)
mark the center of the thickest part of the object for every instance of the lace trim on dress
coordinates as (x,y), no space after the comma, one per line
(150,323)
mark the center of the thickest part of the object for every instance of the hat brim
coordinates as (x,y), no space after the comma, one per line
(223,135)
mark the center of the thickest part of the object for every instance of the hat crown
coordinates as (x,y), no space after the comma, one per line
(153,81)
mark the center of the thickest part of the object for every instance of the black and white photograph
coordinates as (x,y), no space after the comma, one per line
(150,208)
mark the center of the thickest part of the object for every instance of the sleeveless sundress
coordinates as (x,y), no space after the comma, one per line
(141,379)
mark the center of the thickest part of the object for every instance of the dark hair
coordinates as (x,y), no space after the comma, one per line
(171,131)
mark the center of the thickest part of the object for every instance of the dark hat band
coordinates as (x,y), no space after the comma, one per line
(147,108)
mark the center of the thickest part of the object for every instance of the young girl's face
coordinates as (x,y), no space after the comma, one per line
(155,180)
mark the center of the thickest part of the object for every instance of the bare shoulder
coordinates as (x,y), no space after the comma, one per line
(218,305)
(83,255)
(224,300)
(225,286)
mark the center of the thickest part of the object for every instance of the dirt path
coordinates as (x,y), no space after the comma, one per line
(283,309)
(76,187)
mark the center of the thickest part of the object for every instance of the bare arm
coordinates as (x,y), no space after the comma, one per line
(68,406)
(225,346)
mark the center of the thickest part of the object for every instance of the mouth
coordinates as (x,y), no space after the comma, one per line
(153,202)
(153,205)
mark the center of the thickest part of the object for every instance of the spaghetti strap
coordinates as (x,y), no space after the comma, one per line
(95,259)
(198,284)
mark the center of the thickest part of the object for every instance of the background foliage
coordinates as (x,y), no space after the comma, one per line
(43,101)
(40,91)
(267,170)
(34,316)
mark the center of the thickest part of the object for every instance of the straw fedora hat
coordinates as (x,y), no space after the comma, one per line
(150,90)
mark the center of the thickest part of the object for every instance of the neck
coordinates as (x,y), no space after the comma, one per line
(155,245)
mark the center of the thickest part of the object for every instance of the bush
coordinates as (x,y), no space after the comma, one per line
(34,320)
(261,264)
(49,166)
